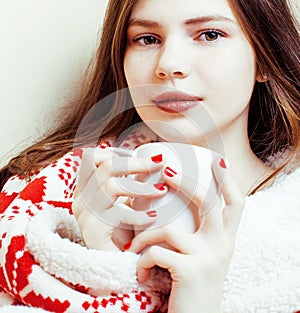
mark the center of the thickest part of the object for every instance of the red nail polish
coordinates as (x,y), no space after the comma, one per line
(222,164)
(160,186)
(152,213)
(157,158)
(105,144)
(169,172)
(127,245)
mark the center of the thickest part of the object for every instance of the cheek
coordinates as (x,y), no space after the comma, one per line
(243,74)
(138,70)
(231,78)
(233,68)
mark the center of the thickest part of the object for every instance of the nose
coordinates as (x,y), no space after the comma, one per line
(173,62)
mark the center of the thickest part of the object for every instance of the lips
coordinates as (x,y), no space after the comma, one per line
(175,102)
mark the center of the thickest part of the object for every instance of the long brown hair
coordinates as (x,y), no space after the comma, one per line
(274,109)
(274,115)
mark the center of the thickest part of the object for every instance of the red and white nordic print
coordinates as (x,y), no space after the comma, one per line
(22,280)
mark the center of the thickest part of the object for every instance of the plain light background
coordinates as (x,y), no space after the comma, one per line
(44,50)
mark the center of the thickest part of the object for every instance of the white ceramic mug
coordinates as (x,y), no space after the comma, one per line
(196,164)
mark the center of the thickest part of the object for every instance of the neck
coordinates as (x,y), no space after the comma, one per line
(246,168)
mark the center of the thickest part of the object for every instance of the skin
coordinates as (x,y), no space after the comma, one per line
(208,58)
(199,49)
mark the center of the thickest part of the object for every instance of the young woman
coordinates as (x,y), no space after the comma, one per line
(199,72)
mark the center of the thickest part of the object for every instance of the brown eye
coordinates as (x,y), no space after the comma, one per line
(147,40)
(211,36)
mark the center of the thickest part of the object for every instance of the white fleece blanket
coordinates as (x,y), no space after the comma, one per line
(264,274)
(43,263)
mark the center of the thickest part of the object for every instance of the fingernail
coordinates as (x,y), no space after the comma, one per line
(127,245)
(152,213)
(157,158)
(222,164)
(169,172)
(105,144)
(160,186)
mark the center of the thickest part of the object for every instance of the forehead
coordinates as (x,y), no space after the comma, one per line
(180,9)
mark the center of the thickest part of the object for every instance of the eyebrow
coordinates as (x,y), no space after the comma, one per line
(192,21)
(141,22)
(209,18)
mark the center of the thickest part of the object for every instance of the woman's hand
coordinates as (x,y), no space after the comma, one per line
(103,217)
(197,262)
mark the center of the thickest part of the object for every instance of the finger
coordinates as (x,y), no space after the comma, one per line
(96,233)
(119,166)
(98,200)
(91,159)
(91,197)
(122,214)
(233,198)
(212,219)
(206,200)
(193,191)
(125,186)
(77,205)
(176,239)
(157,256)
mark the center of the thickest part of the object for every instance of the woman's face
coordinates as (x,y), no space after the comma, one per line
(195,68)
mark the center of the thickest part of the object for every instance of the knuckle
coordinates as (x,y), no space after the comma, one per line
(120,211)
(109,187)
(153,252)
(143,240)
(168,232)
(106,165)
(127,216)
(165,230)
